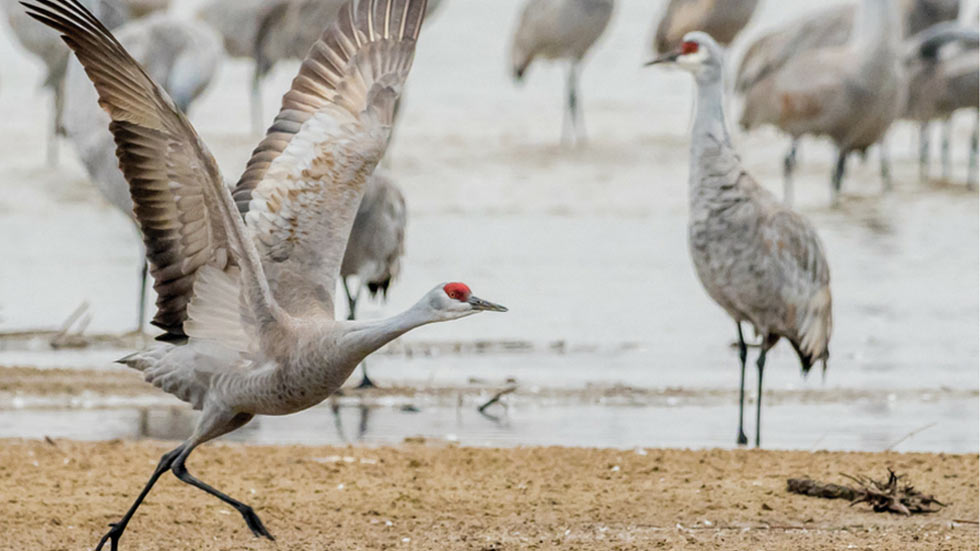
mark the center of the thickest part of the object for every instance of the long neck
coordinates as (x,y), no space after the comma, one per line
(711,147)
(876,30)
(364,337)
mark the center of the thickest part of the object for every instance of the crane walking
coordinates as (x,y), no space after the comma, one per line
(247,303)
(761,262)
(560,30)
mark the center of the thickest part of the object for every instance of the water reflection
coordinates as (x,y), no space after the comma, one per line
(866,424)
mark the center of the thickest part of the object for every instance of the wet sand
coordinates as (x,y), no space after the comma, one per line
(432,496)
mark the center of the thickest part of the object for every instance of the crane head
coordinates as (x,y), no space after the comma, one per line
(698,53)
(449,301)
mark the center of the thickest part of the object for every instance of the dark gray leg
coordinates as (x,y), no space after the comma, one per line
(117,528)
(924,152)
(761,364)
(256,100)
(366,381)
(742,354)
(947,126)
(575,110)
(886,169)
(838,176)
(971,178)
(789,166)
(251,519)
(213,424)
(57,88)
(141,318)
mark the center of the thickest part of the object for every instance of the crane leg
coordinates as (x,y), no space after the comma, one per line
(924,152)
(141,317)
(971,179)
(761,365)
(117,528)
(838,176)
(947,126)
(57,88)
(211,427)
(789,166)
(886,169)
(742,355)
(256,100)
(572,129)
(366,381)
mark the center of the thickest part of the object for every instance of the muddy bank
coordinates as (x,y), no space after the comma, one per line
(420,496)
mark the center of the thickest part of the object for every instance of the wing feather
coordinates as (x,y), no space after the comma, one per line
(301,189)
(184,211)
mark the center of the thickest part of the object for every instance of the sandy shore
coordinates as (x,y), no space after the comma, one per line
(417,496)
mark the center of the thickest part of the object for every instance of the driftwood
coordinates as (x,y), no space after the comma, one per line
(892,496)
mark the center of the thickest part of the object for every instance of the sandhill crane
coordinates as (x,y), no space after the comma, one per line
(181,55)
(722,19)
(849,93)
(826,28)
(760,261)
(940,83)
(54,55)
(375,247)
(560,30)
(247,304)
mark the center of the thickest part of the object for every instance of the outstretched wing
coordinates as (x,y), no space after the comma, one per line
(185,213)
(302,186)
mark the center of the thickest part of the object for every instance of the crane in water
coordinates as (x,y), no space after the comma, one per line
(722,19)
(375,248)
(829,27)
(51,51)
(761,262)
(943,75)
(560,30)
(246,304)
(850,93)
(181,55)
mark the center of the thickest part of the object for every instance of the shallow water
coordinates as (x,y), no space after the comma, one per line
(586,247)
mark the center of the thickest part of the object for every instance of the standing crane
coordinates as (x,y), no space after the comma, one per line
(943,76)
(52,52)
(768,56)
(246,305)
(376,246)
(760,261)
(850,93)
(181,55)
(722,19)
(560,30)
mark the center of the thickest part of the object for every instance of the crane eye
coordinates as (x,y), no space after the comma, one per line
(689,47)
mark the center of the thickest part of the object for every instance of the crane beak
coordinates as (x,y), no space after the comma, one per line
(669,57)
(479,304)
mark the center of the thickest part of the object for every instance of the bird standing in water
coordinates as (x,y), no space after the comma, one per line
(760,261)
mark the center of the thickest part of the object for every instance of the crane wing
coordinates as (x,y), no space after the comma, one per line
(301,189)
(184,211)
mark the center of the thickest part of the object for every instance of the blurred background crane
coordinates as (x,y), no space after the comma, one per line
(183,56)
(722,19)
(562,30)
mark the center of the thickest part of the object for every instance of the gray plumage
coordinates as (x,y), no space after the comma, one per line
(722,19)
(761,262)
(247,301)
(181,55)
(562,30)
(376,246)
(850,93)
(51,51)
(943,66)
